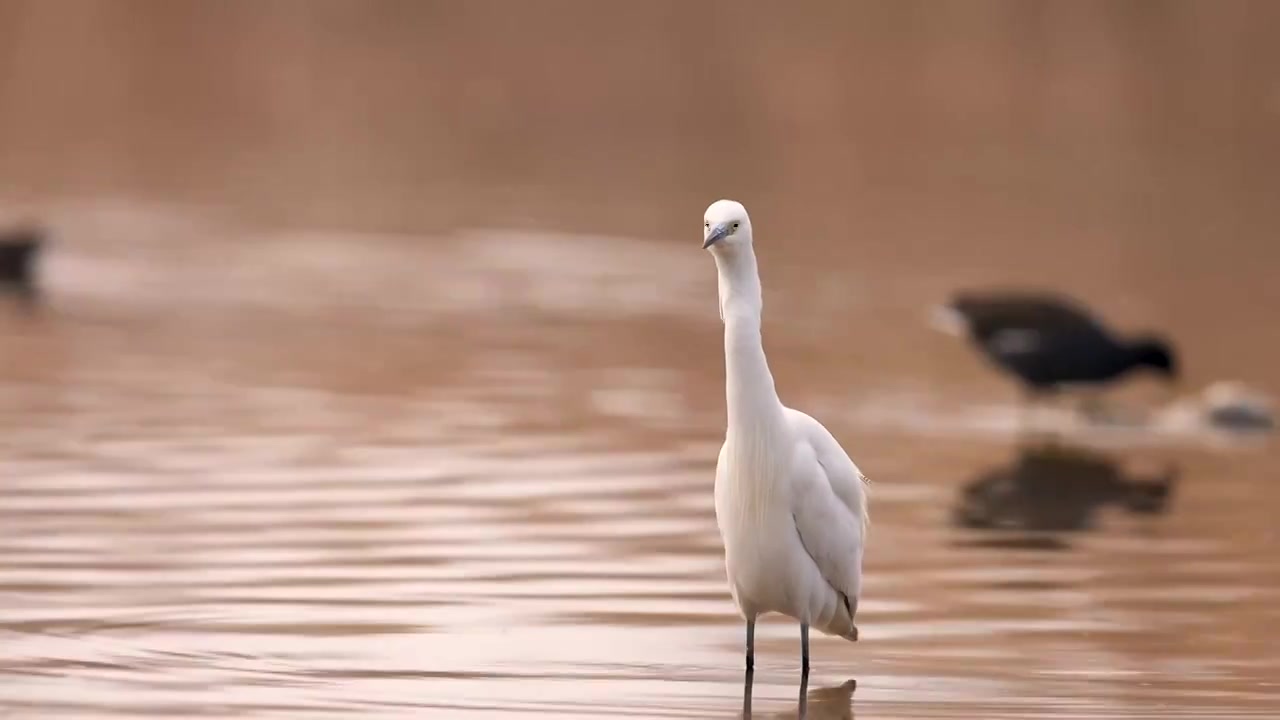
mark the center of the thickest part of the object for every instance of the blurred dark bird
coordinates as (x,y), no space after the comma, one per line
(19,254)
(1051,342)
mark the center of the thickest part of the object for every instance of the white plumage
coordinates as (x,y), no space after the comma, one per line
(790,504)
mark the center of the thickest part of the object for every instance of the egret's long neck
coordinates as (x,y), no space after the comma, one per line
(752,401)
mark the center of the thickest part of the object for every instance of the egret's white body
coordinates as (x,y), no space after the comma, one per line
(790,504)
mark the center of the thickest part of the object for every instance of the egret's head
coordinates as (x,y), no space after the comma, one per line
(725,225)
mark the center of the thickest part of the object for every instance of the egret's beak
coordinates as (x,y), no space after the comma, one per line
(716,234)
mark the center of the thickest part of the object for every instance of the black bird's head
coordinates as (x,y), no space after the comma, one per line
(1157,354)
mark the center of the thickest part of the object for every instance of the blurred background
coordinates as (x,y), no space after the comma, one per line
(375,369)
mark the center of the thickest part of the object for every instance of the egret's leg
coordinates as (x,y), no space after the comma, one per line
(804,695)
(804,648)
(751,644)
(746,694)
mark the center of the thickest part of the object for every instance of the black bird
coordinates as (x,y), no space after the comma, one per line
(1051,342)
(20,249)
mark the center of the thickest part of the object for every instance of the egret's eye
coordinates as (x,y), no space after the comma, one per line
(706,225)
(735,226)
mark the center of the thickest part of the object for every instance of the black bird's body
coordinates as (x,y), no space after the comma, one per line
(20,251)
(1049,342)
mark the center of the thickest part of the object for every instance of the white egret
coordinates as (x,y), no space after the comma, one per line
(790,504)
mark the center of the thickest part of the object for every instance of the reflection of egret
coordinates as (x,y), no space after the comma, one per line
(1057,489)
(790,504)
(829,703)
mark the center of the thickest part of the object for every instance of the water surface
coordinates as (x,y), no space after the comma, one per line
(268,474)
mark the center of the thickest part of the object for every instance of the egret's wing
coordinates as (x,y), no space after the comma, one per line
(846,480)
(829,505)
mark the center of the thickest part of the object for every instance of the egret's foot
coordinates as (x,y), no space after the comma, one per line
(803,709)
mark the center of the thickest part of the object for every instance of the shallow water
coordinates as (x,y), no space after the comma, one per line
(301,475)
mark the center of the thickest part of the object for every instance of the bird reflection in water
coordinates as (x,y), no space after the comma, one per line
(1058,489)
(830,703)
